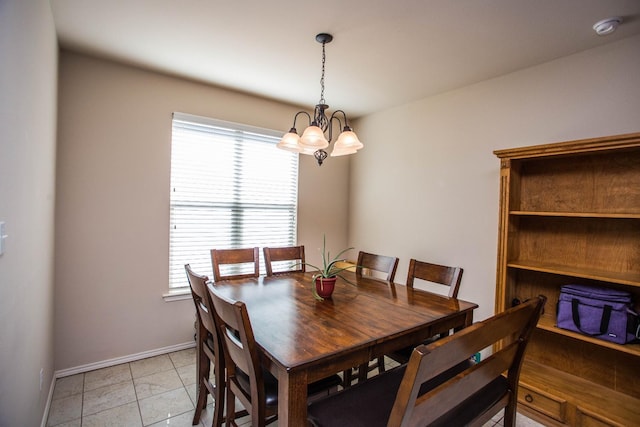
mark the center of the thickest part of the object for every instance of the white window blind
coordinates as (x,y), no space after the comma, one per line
(230,188)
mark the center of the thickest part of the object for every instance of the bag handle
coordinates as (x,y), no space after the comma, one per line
(633,323)
(604,321)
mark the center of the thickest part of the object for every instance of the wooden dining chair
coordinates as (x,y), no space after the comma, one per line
(208,350)
(275,257)
(369,264)
(233,260)
(441,385)
(441,275)
(256,388)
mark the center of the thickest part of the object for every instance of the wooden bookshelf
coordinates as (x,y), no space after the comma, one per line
(570,214)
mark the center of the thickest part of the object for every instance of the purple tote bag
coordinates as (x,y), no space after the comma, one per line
(598,312)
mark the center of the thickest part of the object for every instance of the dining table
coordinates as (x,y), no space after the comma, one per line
(303,339)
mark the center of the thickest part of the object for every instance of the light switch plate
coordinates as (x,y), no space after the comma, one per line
(2,236)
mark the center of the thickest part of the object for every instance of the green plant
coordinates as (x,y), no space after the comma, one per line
(329,267)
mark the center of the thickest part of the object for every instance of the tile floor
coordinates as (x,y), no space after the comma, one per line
(157,391)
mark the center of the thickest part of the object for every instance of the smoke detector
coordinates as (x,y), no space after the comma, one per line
(607,26)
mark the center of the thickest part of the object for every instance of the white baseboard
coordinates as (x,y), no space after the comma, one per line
(124,359)
(48,405)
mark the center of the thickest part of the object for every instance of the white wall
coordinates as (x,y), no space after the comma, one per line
(28,69)
(112,212)
(426,184)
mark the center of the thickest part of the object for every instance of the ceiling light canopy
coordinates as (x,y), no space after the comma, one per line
(317,136)
(607,26)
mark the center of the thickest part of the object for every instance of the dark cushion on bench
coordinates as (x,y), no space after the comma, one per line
(369,404)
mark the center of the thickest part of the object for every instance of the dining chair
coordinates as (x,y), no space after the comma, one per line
(208,350)
(369,264)
(441,275)
(274,257)
(232,260)
(245,379)
(441,385)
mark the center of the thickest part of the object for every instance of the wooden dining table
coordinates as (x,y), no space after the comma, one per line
(303,339)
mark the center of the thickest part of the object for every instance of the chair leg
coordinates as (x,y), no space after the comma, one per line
(231,408)
(347,378)
(201,402)
(509,419)
(218,404)
(202,369)
(363,370)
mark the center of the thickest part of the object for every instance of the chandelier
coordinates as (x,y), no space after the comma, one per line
(319,133)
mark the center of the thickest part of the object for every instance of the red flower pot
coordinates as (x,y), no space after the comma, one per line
(325,286)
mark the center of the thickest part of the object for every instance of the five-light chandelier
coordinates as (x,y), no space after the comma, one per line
(313,140)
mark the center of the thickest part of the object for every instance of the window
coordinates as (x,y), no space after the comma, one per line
(230,188)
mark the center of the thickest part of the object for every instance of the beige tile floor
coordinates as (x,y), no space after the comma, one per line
(157,391)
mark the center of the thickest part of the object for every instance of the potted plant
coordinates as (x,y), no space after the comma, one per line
(325,279)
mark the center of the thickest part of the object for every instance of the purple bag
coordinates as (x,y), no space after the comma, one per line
(598,312)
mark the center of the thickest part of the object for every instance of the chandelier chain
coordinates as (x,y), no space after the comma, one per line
(324,58)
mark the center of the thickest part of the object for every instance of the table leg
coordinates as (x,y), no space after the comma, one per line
(292,399)
(468,319)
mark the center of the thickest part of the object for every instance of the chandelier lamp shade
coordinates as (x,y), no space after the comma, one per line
(319,133)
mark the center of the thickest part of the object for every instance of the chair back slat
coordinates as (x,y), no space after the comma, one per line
(205,317)
(493,330)
(236,349)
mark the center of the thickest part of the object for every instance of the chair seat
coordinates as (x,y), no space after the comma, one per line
(475,405)
(367,404)
(370,407)
(271,385)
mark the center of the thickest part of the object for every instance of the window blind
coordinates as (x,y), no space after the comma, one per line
(230,188)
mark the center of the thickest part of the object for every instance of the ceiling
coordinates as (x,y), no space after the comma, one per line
(384,53)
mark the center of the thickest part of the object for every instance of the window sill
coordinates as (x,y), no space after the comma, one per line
(178,294)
